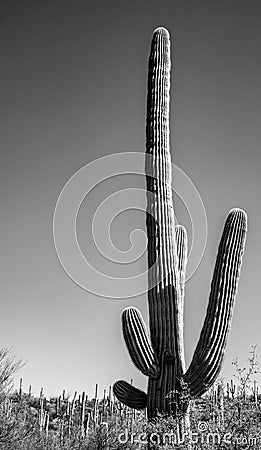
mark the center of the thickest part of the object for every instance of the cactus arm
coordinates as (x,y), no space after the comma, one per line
(209,353)
(129,395)
(138,342)
(182,249)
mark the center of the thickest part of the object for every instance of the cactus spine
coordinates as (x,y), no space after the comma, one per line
(160,354)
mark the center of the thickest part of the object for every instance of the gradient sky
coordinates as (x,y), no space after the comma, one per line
(73,89)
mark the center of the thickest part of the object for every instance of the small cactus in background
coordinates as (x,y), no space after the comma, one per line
(160,354)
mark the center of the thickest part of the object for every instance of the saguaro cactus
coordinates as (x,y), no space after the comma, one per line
(160,355)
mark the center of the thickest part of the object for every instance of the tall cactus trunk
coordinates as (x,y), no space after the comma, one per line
(164,297)
(160,355)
